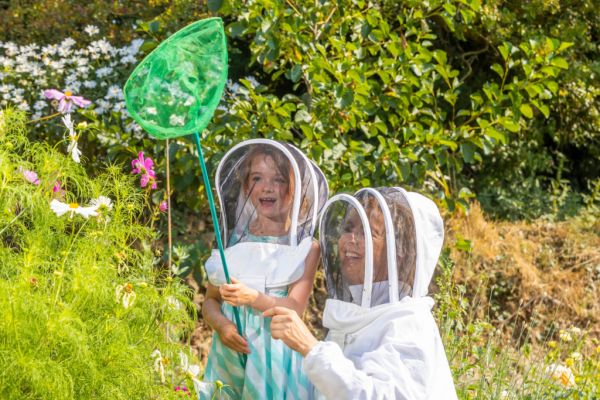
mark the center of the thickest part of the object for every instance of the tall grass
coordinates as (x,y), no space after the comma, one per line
(65,331)
(504,362)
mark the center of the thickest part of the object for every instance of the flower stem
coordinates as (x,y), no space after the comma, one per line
(64,262)
(11,221)
(44,118)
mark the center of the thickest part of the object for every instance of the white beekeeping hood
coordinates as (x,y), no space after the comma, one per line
(276,180)
(379,245)
(234,187)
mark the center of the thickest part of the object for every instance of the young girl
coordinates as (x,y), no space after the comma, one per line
(270,196)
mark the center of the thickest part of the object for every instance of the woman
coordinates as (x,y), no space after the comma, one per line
(380,249)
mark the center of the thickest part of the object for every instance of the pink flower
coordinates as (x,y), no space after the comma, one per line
(163,206)
(58,191)
(66,100)
(30,176)
(144,167)
(183,391)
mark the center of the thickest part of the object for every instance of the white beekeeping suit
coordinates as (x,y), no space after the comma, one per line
(380,248)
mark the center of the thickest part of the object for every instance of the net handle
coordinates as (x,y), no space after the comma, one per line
(213,213)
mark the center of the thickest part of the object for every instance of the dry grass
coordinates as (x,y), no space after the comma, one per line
(536,276)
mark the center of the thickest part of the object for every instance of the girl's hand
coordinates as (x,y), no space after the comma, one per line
(232,339)
(238,294)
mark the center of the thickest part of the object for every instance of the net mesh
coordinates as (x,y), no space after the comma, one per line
(175,90)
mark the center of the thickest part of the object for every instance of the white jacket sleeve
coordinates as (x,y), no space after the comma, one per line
(378,374)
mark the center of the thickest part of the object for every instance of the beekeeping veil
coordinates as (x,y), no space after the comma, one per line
(295,192)
(369,245)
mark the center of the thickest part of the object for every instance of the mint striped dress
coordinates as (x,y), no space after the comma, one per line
(272,371)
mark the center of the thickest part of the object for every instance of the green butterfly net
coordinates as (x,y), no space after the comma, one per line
(175,90)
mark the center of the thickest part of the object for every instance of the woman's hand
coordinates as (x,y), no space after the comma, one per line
(287,326)
(238,294)
(232,339)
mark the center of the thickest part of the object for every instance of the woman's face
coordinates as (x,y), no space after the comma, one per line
(351,245)
(269,191)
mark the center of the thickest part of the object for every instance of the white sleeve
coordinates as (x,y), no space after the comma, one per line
(379,374)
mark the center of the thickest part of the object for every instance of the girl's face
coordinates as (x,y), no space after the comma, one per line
(351,245)
(269,191)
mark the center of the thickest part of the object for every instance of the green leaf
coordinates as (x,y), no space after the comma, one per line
(463,245)
(498,69)
(503,51)
(302,116)
(214,5)
(564,45)
(552,86)
(510,125)
(467,150)
(148,46)
(153,26)
(452,145)
(560,62)
(526,110)
(237,28)
(296,73)
(492,133)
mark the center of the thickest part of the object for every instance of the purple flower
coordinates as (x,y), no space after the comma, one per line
(163,206)
(30,176)
(66,100)
(144,167)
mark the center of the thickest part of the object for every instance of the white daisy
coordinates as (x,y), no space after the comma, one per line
(102,202)
(159,366)
(74,150)
(560,374)
(61,208)
(125,294)
(192,370)
(91,30)
(66,119)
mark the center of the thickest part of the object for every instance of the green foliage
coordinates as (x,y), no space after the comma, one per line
(371,92)
(561,149)
(454,98)
(82,307)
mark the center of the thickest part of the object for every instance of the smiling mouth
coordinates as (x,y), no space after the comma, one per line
(351,254)
(266,201)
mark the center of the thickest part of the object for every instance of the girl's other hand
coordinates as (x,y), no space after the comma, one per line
(232,339)
(238,294)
